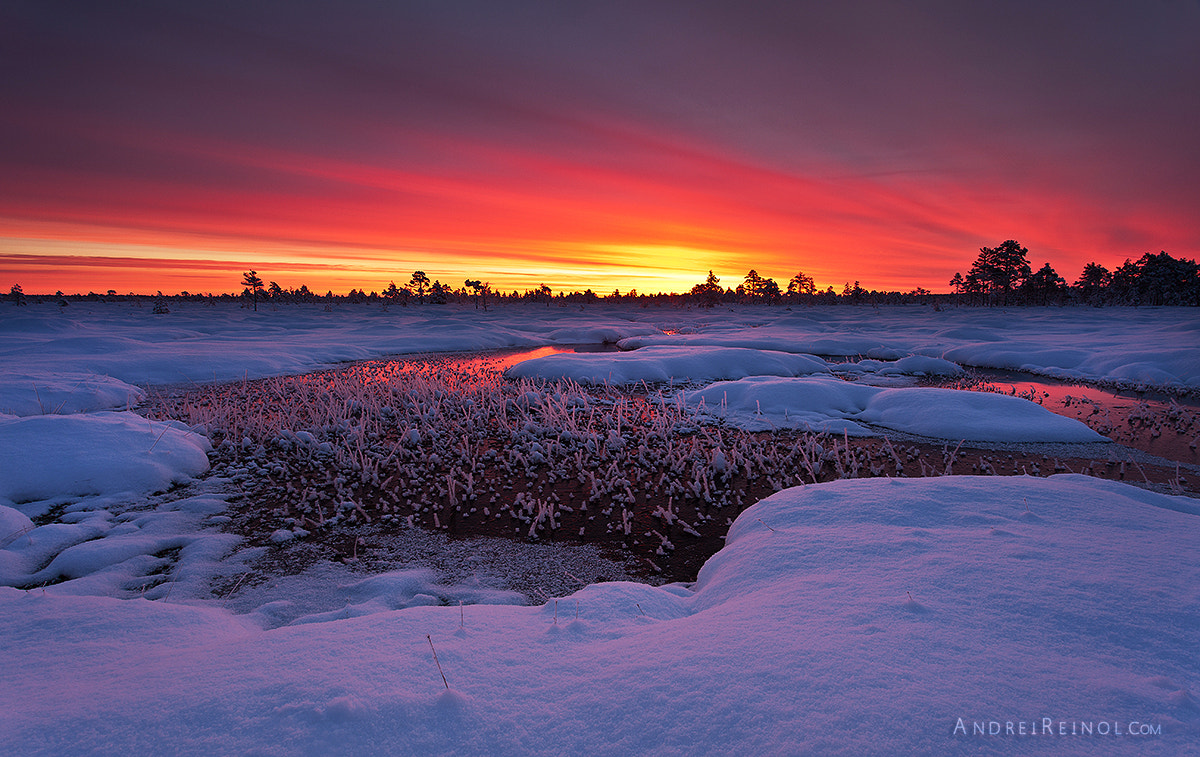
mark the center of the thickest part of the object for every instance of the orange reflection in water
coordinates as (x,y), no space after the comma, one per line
(464,363)
(1160,424)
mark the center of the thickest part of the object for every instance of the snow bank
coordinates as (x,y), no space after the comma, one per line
(835,406)
(921,365)
(95,453)
(666,364)
(857,617)
(973,416)
(32,393)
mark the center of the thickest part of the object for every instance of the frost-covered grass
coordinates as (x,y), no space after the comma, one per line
(452,444)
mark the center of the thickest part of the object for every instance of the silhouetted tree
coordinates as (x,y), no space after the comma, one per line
(709,293)
(396,294)
(18,295)
(480,291)
(998,271)
(769,290)
(1156,280)
(1092,283)
(419,283)
(750,285)
(254,284)
(855,293)
(801,285)
(438,293)
(1044,287)
(755,287)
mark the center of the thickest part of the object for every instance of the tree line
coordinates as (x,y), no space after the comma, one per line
(1002,275)
(419,290)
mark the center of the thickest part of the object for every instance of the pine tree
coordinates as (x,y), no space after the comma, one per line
(801,284)
(999,270)
(1044,287)
(709,293)
(252,282)
(419,283)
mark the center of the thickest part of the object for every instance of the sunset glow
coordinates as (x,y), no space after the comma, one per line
(173,147)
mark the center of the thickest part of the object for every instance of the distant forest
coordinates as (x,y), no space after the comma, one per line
(1000,276)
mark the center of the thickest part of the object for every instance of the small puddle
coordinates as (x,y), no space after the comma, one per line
(500,359)
(1155,422)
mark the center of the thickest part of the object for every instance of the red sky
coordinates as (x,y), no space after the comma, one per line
(169,145)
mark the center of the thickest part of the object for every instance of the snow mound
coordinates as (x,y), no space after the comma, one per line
(36,393)
(665,364)
(13,524)
(835,406)
(973,416)
(95,453)
(761,403)
(95,549)
(921,365)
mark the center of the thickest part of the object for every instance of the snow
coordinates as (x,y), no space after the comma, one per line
(854,617)
(198,343)
(95,453)
(664,364)
(1156,346)
(1030,598)
(28,393)
(834,406)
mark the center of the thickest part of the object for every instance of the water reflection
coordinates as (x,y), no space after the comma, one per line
(1154,422)
(465,363)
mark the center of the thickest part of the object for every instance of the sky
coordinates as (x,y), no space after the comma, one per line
(166,145)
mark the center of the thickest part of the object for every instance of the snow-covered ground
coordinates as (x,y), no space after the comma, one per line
(860,617)
(1158,346)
